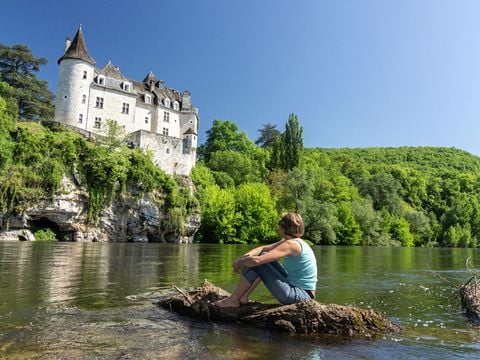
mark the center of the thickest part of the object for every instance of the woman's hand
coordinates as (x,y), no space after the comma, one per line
(238,264)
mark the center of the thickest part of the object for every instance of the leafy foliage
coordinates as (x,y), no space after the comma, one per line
(45,235)
(377,196)
(17,68)
(34,159)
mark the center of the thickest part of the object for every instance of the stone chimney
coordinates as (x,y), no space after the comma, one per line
(67,43)
(186,100)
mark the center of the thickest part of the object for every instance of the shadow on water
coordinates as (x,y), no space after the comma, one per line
(77,301)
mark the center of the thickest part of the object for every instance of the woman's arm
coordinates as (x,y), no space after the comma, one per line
(258,250)
(277,251)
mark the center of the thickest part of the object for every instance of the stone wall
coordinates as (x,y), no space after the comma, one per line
(172,155)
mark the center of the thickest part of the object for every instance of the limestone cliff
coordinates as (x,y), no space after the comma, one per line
(129,218)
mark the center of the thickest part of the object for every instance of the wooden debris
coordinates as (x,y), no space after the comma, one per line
(470,297)
(307,317)
(470,294)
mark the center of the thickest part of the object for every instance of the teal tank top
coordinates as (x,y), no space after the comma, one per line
(302,269)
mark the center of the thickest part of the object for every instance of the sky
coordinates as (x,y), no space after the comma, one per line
(357,73)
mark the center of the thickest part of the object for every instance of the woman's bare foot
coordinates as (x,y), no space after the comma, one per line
(244,300)
(228,303)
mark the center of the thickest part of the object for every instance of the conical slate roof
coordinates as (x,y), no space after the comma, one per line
(150,77)
(190,131)
(78,49)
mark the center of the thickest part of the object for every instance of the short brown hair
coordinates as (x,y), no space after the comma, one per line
(292,224)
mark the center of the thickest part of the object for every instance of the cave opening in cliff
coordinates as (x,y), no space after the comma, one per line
(152,238)
(45,224)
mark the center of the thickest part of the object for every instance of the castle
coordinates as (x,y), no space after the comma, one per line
(156,117)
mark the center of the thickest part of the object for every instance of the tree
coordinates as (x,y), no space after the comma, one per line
(238,166)
(256,214)
(17,68)
(383,188)
(349,233)
(112,136)
(8,117)
(268,135)
(218,215)
(293,142)
(222,136)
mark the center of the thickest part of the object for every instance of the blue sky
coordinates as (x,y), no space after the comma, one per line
(357,73)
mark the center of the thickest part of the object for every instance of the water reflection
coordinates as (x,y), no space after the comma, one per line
(73,300)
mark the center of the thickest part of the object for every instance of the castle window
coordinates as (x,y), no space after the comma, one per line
(166,102)
(176,105)
(84,99)
(148,99)
(80,118)
(98,123)
(146,119)
(166,116)
(100,80)
(165,131)
(126,86)
(99,103)
(167,151)
(125,108)
(84,75)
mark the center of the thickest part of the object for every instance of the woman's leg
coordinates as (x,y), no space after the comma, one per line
(275,278)
(244,298)
(244,288)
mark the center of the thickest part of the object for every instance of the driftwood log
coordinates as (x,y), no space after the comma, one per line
(470,297)
(307,317)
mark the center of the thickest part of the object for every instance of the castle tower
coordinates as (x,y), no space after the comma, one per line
(75,76)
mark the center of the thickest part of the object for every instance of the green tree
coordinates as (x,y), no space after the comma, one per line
(218,216)
(223,136)
(293,142)
(239,167)
(255,213)
(112,135)
(268,134)
(400,231)
(383,189)
(8,117)
(349,232)
(17,68)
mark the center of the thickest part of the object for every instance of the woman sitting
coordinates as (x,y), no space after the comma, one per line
(294,281)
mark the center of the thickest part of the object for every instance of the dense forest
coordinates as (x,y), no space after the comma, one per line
(409,196)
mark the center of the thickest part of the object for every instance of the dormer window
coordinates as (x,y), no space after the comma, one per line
(148,99)
(126,86)
(101,80)
(166,102)
(176,105)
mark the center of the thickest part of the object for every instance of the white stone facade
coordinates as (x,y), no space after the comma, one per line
(158,118)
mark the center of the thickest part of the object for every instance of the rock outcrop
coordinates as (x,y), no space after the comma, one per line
(129,218)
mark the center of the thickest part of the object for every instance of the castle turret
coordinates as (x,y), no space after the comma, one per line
(75,75)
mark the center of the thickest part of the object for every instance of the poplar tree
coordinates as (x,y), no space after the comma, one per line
(292,143)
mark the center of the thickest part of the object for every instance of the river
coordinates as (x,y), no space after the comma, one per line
(94,301)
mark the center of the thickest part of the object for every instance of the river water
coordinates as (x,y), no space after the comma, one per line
(94,301)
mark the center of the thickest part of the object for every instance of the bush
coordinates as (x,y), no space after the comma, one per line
(45,235)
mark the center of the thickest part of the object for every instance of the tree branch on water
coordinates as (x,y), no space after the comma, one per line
(306,317)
